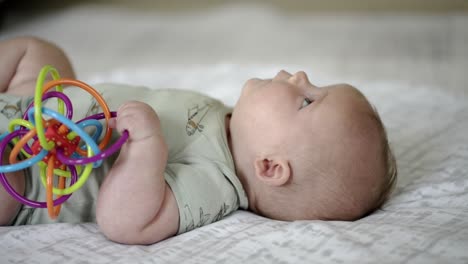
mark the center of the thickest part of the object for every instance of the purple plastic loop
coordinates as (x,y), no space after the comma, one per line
(102,155)
(13,192)
(52,94)
(98,116)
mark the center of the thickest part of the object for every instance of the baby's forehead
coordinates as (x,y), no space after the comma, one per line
(348,103)
(345,121)
(349,94)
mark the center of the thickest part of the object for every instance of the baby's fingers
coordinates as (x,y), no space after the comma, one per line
(139,119)
(112,123)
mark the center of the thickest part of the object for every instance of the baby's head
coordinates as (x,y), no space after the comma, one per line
(304,152)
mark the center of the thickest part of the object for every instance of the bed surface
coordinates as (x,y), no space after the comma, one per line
(425,221)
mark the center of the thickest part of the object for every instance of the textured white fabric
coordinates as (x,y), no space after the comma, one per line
(425,221)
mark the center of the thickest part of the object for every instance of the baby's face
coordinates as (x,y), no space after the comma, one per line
(301,119)
(290,105)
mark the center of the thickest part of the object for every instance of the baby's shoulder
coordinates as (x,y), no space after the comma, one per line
(132,90)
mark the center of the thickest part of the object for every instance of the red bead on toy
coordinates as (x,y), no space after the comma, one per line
(57,133)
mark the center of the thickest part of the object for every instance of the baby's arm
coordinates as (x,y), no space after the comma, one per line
(20,62)
(22,58)
(135,205)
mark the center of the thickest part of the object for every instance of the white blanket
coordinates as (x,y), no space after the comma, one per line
(425,221)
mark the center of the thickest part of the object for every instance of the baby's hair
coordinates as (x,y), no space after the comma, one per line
(390,166)
(363,182)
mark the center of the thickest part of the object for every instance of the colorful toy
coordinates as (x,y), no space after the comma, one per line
(54,144)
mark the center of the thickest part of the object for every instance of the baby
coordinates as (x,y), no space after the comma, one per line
(288,150)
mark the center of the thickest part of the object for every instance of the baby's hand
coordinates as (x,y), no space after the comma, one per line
(139,119)
(139,172)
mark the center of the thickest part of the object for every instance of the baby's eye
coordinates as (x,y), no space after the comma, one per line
(306,102)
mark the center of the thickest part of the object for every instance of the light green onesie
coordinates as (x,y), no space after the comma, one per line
(200,168)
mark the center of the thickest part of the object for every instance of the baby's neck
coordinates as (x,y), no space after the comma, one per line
(239,171)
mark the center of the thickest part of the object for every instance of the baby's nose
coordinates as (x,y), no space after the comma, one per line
(282,75)
(299,77)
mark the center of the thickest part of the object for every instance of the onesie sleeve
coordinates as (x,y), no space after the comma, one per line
(204,195)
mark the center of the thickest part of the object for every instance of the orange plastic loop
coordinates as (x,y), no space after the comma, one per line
(53,211)
(99,99)
(18,146)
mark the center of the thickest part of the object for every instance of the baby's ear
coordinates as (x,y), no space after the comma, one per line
(272,171)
